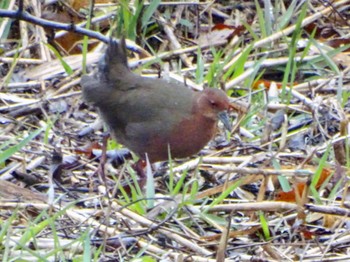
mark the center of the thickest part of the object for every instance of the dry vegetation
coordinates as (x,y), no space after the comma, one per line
(275,189)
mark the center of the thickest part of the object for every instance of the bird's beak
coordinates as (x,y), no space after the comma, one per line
(223,117)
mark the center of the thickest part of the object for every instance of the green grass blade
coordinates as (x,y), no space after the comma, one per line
(147,15)
(66,67)
(6,154)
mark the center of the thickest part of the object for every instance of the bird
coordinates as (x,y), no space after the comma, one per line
(153,117)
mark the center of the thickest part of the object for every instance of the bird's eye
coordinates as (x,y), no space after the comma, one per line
(213,103)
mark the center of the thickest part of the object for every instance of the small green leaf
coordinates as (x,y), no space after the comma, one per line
(264,225)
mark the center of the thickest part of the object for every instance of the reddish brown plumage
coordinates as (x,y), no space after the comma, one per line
(151,115)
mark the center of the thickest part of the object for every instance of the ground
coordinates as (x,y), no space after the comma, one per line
(274,188)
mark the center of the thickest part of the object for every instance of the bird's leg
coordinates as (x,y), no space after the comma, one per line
(103,159)
(139,168)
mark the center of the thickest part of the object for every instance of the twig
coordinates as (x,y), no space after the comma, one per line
(25,16)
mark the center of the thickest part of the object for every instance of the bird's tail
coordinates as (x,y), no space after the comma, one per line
(114,62)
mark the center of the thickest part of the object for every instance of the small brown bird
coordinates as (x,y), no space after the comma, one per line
(151,115)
